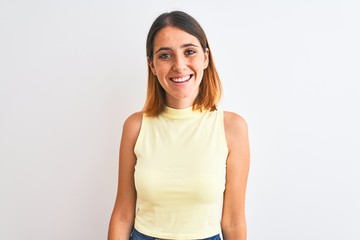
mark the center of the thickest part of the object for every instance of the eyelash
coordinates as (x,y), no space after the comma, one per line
(165,56)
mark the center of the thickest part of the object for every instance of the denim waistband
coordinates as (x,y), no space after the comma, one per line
(136,235)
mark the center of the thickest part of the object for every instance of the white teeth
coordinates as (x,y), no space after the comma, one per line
(183,79)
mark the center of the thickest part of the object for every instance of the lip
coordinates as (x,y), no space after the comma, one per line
(181,78)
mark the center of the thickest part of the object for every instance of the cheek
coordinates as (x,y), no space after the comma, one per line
(199,67)
(161,69)
(198,64)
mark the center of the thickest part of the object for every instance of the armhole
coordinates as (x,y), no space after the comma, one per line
(136,146)
(223,132)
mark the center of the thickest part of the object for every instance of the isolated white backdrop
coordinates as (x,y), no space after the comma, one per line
(72,71)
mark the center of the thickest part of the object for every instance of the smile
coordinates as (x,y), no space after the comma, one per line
(181,79)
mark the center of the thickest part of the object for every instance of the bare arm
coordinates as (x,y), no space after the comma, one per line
(233,221)
(122,218)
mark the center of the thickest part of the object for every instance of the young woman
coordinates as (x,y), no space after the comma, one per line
(183,164)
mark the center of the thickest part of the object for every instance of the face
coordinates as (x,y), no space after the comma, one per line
(178,63)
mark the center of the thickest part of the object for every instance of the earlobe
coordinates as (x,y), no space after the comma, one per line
(206,60)
(151,66)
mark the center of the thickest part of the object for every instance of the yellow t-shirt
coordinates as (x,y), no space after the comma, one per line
(180,174)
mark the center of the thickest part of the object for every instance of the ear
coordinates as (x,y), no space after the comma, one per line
(206,59)
(151,65)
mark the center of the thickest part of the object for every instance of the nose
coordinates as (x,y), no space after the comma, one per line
(179,64)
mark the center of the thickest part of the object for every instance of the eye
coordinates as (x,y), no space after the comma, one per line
(189,52)
(164,56)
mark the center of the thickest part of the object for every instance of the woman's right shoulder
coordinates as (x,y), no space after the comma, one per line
(134,120)
(132,124)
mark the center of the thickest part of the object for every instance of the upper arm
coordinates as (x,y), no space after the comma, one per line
(237,168)
(126,195)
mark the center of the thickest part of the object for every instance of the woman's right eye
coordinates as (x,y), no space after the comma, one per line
(165,56)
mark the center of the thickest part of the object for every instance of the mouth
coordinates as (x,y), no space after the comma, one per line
(181,79)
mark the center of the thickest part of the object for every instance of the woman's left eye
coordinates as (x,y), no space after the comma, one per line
(189,52)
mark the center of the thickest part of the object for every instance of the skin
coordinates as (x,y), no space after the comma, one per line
(178,56)
(233,222)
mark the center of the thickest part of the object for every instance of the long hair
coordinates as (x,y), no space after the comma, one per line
(210,87)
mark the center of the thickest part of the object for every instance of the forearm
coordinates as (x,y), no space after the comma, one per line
(237,232)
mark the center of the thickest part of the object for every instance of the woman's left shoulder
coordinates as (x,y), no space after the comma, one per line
(234,122)
(236,133)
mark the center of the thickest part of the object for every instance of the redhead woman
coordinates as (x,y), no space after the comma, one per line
(184,163)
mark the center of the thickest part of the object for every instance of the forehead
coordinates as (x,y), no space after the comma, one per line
(170,36)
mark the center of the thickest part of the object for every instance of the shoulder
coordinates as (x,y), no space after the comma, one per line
(132,125)
(236,128)
(233,121)
(134,120)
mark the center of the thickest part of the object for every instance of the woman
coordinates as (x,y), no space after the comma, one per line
(183,164)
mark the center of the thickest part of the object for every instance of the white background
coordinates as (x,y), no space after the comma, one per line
(72,71)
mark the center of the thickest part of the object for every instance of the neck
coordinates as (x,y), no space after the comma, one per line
(179,104)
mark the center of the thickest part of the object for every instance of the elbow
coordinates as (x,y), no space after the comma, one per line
(234,230)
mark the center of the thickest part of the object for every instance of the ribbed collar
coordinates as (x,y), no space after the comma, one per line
(174,113)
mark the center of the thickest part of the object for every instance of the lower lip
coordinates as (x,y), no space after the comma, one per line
(182,83)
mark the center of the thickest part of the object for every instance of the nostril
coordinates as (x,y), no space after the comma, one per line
(178,68)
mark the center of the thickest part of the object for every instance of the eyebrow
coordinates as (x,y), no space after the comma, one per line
(182,46)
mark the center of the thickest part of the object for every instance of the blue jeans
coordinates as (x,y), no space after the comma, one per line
(136,235)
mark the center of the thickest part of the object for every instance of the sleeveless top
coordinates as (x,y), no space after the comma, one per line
(180,174)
